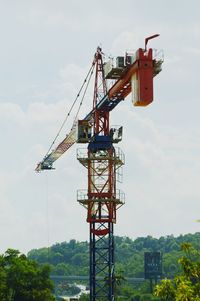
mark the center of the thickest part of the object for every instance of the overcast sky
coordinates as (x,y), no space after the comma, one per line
(45,52)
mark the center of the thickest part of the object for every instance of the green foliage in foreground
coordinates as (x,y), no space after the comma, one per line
(185,287)
(22,279)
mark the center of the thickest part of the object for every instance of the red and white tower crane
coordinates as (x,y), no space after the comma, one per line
(132,73)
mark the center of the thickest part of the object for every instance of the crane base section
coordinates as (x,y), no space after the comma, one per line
(101,262)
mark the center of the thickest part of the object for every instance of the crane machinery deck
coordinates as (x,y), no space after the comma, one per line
(132,73)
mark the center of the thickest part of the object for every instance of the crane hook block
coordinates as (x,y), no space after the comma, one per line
(142,79)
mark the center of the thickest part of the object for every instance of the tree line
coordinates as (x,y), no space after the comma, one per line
(72,258)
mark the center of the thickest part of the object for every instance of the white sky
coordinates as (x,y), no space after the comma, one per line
(45,51)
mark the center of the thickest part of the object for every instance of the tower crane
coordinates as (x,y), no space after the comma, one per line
(132,73)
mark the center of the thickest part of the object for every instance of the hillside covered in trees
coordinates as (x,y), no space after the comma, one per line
(72,258)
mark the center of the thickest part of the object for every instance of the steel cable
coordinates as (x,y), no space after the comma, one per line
(89,74)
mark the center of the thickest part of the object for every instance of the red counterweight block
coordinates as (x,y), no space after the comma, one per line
(142,79)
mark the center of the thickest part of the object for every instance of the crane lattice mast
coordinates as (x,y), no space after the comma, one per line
(101,198)
(132,73)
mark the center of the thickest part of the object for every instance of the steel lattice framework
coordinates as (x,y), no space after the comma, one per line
(101,200)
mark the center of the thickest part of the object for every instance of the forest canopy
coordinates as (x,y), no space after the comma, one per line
(72,258)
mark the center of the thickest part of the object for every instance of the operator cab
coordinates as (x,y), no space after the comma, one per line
(84,131)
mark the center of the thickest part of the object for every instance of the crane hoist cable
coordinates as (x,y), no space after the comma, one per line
(89,74)
(81,102)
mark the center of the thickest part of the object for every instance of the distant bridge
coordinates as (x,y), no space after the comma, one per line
(86,278)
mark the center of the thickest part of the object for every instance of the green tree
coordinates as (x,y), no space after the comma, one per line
(185,287)
(2,280)
(22,279)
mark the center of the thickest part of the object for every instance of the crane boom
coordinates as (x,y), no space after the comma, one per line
(48,161)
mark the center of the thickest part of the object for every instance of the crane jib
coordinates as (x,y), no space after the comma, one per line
(48,161)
